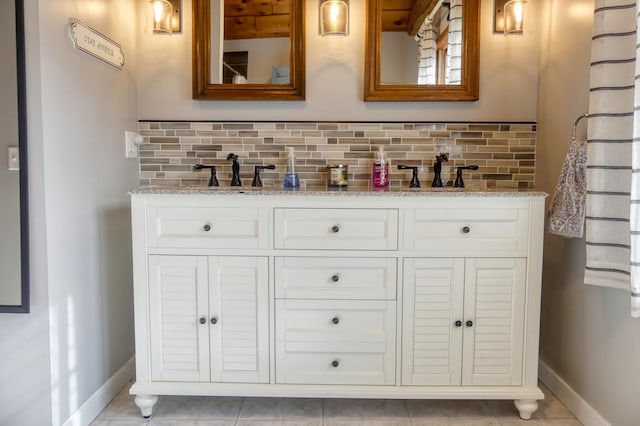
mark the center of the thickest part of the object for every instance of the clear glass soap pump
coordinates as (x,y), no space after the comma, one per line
(291,177)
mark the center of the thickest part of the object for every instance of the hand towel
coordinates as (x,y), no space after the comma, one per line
(567,212)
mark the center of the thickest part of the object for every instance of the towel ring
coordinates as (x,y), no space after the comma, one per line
(575,126)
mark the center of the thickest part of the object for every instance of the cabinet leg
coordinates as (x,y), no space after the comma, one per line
(526,407)
(145,403)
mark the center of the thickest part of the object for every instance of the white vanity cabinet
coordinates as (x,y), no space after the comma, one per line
(355,294)
(463,321)
(229,298)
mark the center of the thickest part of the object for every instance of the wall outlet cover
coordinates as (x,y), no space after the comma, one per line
(131,142)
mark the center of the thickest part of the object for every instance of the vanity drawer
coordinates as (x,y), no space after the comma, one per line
(336,229)
(335,342)
(467,231)
(207,227)
(335,321)
(297,364)
(335,278)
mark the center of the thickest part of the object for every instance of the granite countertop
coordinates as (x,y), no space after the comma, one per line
(346,191)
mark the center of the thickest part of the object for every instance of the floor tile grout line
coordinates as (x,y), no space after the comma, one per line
(239,411)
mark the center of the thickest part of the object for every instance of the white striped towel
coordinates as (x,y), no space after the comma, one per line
(567,212)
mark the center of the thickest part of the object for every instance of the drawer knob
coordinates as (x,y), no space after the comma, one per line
(458,323)
(335,229)
(214,320)
(469,323)
(207,228)
(335,363)
(335,278)
(202,320)
(335,320)
(466,230)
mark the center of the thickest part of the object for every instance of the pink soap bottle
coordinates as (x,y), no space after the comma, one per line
(380,173)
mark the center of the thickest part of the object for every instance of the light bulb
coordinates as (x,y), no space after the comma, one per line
(518,9)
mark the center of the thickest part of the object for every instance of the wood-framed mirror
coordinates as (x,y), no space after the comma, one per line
(422,50)
(248,50)
(14,214)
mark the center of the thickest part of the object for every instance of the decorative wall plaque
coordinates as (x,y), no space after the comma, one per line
(93,43)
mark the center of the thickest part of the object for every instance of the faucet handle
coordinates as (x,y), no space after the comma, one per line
(213,180)
(459,183)
(257,182)
(415,183)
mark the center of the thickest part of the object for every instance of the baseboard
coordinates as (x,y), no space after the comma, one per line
(580,408)
(101,398)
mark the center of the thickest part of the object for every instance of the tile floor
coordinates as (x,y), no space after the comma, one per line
(229,411)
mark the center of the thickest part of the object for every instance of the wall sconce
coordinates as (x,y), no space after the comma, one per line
(165,16)
(334,17)
(509,16)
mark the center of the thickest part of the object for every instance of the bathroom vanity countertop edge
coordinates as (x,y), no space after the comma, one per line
(339,192)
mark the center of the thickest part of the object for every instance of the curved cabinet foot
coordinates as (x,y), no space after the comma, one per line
(526,407)
(146,403)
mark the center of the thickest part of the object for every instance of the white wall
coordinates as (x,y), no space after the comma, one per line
(398,58)
(335,68)
(24,369)
(587,336)
(81,327)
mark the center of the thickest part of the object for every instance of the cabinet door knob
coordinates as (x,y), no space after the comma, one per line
(202,320)
(458,323)
(335,320)
(207,227)
(214,320)
(466,230)
(469,323)
(335,363)
(335,229)
(335,278)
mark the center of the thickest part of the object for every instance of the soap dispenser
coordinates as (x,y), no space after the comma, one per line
(380,172)
(291,177)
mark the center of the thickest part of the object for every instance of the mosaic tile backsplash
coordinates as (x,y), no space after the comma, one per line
(505,153)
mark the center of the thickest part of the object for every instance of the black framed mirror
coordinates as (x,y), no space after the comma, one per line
(14,217)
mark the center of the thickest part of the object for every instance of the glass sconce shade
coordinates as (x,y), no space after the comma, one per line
(161,11)
(334,17)
(514,16)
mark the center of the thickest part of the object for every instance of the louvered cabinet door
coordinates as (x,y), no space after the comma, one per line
(494,305)
(177,318)
(432,303)
(239,319)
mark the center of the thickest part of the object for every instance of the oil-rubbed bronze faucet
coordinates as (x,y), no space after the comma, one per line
(459,183)
(213,180)
(415,183)
(257,182)
(235,168)
(437,169)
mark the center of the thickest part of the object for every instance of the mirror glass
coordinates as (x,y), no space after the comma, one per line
(248,49)
(14,283)
(422,50)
